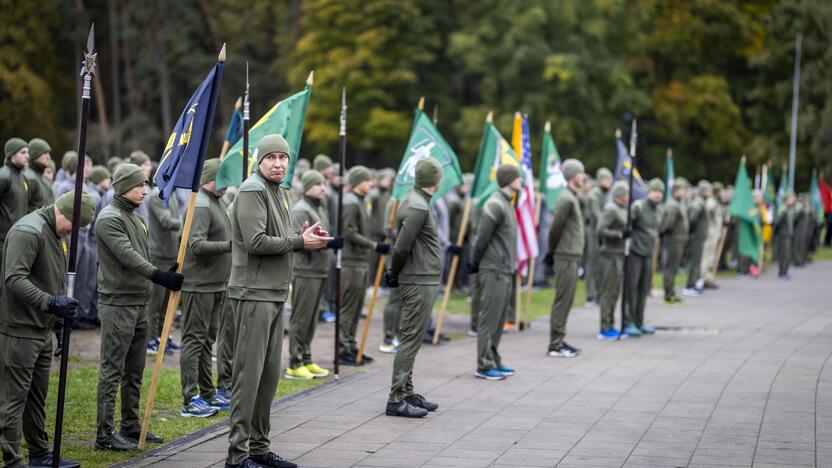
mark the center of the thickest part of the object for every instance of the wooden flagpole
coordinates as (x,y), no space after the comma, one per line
(530,283)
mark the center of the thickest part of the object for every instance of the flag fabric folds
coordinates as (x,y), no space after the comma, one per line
(181,162)
(425,140)
(825,195)
(286,118)
(551,174)
(235,127)
(742,208)
(815,198)
(669,176)
(494,151)
(527,244)
(623,165)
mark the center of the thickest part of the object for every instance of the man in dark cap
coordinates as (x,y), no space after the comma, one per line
(698,229)
(784,226)
(310,272)
(493,258)
(644,223)
(673,230)
(208,263)
(612,231)
(358,245)
(124,277)
(415,268)
(34,275)
(566,245)
(40,189)
(263,242)
(14,189)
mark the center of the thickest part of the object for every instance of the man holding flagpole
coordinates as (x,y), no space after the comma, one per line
(263,241)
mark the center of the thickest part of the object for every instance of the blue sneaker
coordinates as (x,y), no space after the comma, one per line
(505,370)
(328,316)
(172,346)
(490,374)
(608,335)
(219,403)
(631,330)
(225,395)
(647,330)
(192,410)
(153,346)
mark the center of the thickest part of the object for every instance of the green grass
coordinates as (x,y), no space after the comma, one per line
(823,253)
(80,413)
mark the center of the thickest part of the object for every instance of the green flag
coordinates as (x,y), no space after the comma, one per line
(743,209)
(285,118)
(551,176)
(494,151)
(425,141)
(769,194)
(815,197)
(669,175)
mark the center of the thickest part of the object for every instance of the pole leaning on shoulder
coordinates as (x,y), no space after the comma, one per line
(87,72)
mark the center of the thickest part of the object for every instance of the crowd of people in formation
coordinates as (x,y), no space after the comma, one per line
(259,251)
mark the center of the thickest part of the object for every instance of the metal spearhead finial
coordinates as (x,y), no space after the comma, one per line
(246,114)
(88,64)
(343,131)
(633,137)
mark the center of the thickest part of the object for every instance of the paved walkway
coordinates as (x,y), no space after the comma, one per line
(749,382)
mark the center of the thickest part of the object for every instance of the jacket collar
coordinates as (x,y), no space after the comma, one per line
(123,203)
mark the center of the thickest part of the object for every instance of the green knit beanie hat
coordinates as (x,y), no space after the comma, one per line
(13,145)
(506,174)
(37,147)
(69,163)
(428,173)
(656,185)
(65,204)
(321,162)
(209,170)
(273,143)
(358,174)
(571,168)
(127,176)
(620,189)
(310,179)
(98,174)
(603,173)
(138,158)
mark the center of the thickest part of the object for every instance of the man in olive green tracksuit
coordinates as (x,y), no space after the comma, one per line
(34,275)
(14,189)
(163,226)
(358,246)
(493,257)
(612,231)
(698,229)
(784,226)
(673,230)
(414,270)
(208,265)
(123,290)
(566,245)
(595,202)
(644,222)
(310,272)
(40,189)
(263,241)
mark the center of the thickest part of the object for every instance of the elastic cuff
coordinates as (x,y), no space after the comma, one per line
(297,243)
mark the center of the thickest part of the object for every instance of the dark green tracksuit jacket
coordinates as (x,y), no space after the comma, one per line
(417,262)
(358,247)
(673,230)
(14,198)
(34,268)
(645,226)
(611,226)
(163,224)
(698,228)
(495,251)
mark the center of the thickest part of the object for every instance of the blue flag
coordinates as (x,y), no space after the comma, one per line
(623,164)
(181,163)
(235,127)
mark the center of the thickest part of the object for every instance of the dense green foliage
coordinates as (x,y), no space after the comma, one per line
(710,78)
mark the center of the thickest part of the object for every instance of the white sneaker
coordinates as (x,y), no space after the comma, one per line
(472,333)
(691,292)
(387,348)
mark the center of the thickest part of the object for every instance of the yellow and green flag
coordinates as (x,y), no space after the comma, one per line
(494,151)
(551,173)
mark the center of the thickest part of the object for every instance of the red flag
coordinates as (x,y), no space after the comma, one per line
(825,196)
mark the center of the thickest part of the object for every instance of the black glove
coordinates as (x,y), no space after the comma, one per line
(336,243)
(62,306)
(549,260)
(381,238)
(59,347)
(626,233)
(473,267)
(390,280)
(169,279)
(548,270)
(455,249)
(382,248)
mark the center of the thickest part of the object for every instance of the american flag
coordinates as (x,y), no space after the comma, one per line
(527,245)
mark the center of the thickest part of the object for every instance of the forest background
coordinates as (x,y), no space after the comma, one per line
(710,78)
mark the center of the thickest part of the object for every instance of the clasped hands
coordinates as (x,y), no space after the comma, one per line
(314,237)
